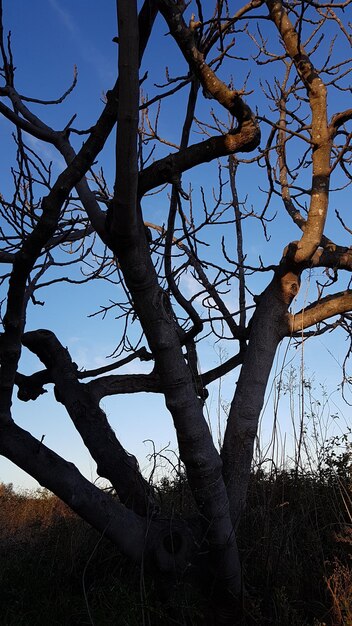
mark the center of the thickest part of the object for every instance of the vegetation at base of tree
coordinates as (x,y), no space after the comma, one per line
(54,568)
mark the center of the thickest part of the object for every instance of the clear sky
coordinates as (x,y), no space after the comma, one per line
(49,38)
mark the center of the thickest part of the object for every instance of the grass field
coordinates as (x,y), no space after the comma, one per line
(295,541)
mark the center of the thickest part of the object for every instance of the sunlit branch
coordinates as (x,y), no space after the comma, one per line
(228,98)
(339,119)
(323,309)
(320,132)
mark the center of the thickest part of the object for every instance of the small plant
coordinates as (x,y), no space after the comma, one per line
(337,457)
(339,585)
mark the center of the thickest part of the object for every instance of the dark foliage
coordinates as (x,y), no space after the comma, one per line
(295,540)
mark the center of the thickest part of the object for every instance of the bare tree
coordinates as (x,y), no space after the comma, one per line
(295,145)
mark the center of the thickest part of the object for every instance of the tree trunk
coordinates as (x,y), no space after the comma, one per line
(269,326)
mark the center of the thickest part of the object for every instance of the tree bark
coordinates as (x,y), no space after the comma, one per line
(126,529)
(113,462)
(152,305)
(268,327)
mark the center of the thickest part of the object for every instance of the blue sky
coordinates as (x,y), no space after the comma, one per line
(49,38)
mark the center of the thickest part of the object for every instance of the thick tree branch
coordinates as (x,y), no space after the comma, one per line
(335,304)
(321,135)
(31,387)
(223,369)
(14,319)
(6,257)
(40,132)
(290,207)
(36,127)
(135,383)
(126,529)
(185,38)
(139,538)
(334,257)
(196,447)
(245,138)
(118,384)
(168,169)
(124,221)
(113,462)
(339,119)
(268,327)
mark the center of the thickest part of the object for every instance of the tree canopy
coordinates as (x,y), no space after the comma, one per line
(224,187)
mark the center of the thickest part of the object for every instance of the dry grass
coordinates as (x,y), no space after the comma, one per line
(295,540)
